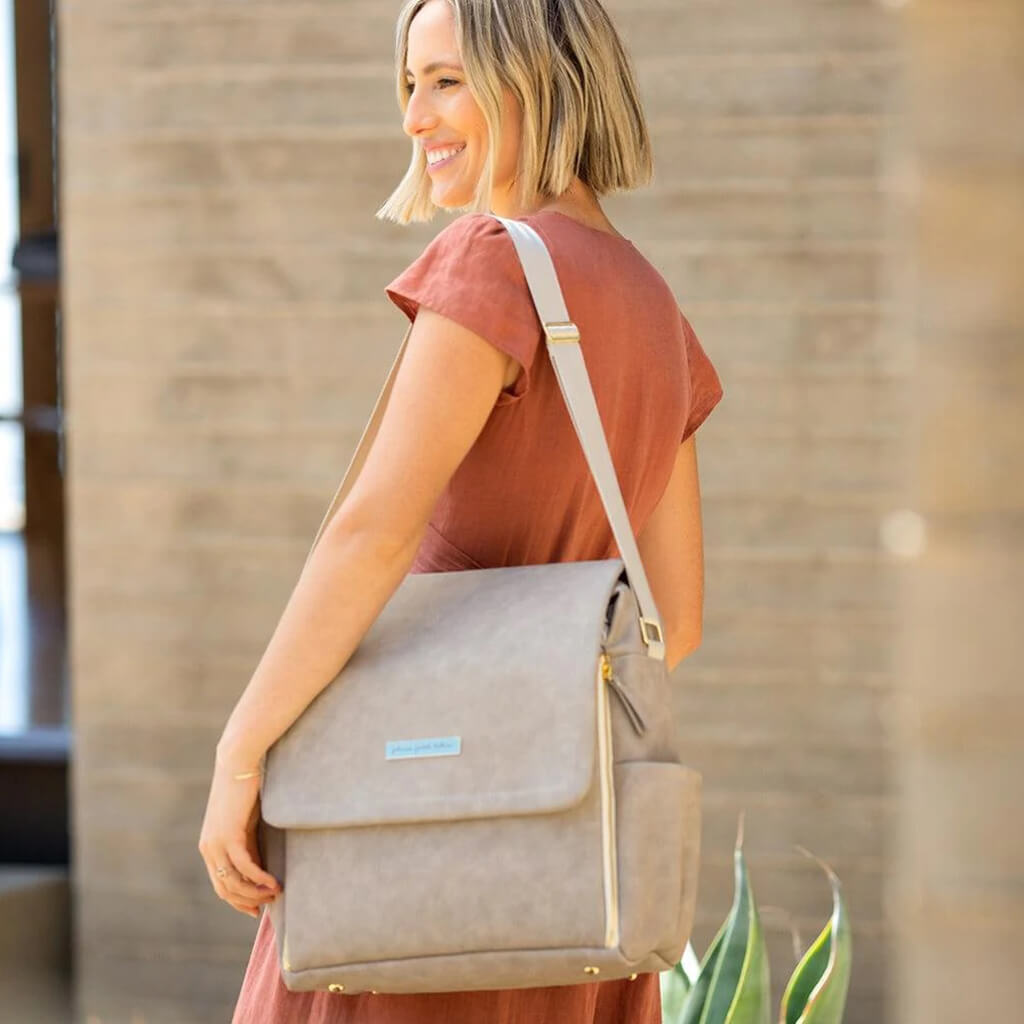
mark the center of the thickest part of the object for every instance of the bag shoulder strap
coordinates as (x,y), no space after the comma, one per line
(563,345)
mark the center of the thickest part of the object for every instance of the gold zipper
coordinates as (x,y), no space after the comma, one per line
(604,738)
(634,716)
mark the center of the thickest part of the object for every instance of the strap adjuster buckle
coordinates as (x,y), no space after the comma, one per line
(650,624)
(561,331)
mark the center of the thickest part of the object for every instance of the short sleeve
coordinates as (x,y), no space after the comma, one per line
(471,273)
(705,386)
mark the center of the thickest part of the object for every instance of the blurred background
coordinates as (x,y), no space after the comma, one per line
(193,330)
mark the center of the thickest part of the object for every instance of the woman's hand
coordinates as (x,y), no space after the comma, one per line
(228,843)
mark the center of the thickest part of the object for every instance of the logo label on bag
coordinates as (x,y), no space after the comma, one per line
(431,746)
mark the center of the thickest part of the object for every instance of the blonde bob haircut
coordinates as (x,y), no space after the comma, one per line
(567,68)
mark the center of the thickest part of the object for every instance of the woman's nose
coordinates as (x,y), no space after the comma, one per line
(417,115)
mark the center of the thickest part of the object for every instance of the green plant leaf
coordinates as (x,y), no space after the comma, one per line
(675,988)
(816,993)
(753,997)
(676,984)
(694,1003)
(740,989)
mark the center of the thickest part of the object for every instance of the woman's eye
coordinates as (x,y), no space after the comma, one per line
(409,86)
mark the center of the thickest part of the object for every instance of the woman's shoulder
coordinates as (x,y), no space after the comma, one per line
(468,229)
(473,251)
(475,245)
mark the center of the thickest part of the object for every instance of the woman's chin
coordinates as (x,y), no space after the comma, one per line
(450,199)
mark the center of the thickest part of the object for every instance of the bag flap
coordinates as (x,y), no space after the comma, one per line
(473,694)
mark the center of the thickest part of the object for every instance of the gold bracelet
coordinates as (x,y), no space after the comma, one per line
(246,775)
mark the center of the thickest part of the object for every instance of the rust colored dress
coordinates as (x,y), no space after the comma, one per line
(523,495)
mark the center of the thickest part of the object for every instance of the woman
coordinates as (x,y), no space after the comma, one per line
(476,462)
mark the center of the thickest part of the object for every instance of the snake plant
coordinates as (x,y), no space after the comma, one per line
(731,985)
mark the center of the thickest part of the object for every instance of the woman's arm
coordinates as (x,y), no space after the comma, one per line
(350,577)
(671,547)
(443,394)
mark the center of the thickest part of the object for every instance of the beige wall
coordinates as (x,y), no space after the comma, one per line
(958,886)
(227,333)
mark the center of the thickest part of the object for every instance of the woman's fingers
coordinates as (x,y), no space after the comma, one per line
(241,894)
(222,892)
(241,888)
(229,848)
(247,865)
(243,906)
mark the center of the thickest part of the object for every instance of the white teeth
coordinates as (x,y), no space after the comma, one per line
(443,154)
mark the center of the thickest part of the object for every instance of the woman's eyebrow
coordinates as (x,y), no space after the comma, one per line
(434,65)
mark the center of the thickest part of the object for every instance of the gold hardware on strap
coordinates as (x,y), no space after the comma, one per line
(335,987)
(592,970)
(645,625)
(632,977)
(561,330)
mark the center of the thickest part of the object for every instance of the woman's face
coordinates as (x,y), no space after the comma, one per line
(443,114)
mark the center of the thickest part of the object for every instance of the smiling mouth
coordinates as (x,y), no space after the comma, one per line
(446,161)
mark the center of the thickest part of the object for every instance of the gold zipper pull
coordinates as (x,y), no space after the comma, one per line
(634,716)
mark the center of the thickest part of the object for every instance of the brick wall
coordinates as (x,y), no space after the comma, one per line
(226,334)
